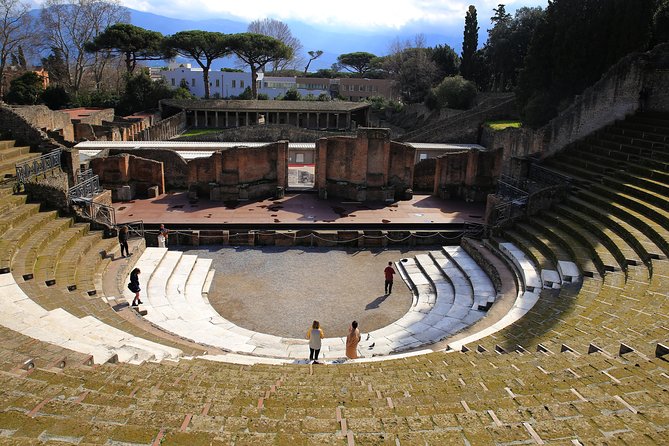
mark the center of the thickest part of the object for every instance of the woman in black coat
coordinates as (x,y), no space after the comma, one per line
(134,286)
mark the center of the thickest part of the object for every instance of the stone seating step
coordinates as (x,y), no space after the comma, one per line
(70,259)
(14,216)
(8,166)
(530,275)
(637,133)
(46,261)
(86,335)
(483,290)
(640,242)
(550,275)
(637,192)
(11,201)
(14,238)
(88,274)
(8,153)
(6,144)
(424,273)
(644,172)
(25,257)
(623,253)
(602,257)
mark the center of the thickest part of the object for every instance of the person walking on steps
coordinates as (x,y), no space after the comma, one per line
(389,272)
(162,236)
(123,240)
(134,286)
(315,334)
(352,341)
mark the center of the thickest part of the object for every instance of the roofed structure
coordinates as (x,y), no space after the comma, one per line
(328,115)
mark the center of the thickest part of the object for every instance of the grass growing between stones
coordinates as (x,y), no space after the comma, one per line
(200,132)
(502,125)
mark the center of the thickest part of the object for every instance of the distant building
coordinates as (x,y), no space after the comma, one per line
(227,84)
(317,115)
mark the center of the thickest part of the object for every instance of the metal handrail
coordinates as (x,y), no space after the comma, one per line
(95,211)
(37,166)
(86,189)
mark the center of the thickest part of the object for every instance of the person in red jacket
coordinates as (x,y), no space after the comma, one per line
(389,272)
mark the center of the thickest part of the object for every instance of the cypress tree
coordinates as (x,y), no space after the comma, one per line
(469,44)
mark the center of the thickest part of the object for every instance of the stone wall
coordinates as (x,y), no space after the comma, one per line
(174,166)
(93,132)
(41,117)
(617,94)
(263,133)
(94,116)
(163,130)
(16,123)
(241,172)
(128,176)
(468,175)
(368,167)
(465,127)
(423,175)
(50,189)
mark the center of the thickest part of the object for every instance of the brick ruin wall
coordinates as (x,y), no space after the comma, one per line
(241,172)
(469,175)
(423,175)
(128,175)
(174,166)
(367,168)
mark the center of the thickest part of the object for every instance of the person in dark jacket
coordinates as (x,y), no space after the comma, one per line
(134,286)
(123,240)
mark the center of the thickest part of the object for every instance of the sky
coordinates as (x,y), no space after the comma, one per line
(368,15)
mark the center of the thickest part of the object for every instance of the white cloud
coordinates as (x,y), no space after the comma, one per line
(356,14)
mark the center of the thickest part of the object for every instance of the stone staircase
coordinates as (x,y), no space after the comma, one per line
(10,155)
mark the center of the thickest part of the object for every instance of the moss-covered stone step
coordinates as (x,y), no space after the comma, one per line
(45,264)
(13,238)
(623,253)
(636,238)
(9,153)
(12,217)
(24,259)
(71,258)
(600,254)
(7,144)
(580,253)
(551,250)
(8,166)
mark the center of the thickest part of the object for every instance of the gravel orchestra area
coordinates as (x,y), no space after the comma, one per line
(280,291)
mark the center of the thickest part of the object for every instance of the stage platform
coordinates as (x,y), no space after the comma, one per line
(300,211)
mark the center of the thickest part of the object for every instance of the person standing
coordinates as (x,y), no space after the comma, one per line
(162,236)
(123,240)
(134,286)
(315,334)
(352,341)
(389,272)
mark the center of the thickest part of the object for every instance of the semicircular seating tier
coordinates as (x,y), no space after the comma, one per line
(451,292)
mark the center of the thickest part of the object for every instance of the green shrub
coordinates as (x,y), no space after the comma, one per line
(455,92)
